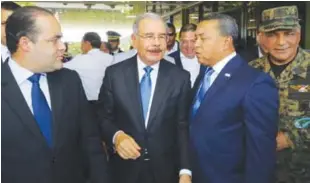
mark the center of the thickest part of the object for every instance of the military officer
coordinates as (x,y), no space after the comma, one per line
(289,65)
(113,40)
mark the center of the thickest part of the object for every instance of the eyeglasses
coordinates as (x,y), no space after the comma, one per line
(152,37)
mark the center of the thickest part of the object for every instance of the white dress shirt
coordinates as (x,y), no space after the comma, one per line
(123,56)
(173,49)
(91,69)
(260,54)
(218,67)
(5,53)
(191,65)
(116,51)
(21,76)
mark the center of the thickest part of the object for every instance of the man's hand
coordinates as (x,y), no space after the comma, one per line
(184,178)
(283,141)
(126,147)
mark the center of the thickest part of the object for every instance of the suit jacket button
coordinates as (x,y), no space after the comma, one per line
(53,160)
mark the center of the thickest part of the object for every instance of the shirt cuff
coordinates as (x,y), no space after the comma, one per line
(186,172)
(114,136)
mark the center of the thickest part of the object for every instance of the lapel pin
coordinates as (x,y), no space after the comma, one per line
(227,75)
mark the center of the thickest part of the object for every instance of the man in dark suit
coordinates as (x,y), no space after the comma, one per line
(48,134)
(254,50)
(172,44)
(7,8)
(144,115)
(234,113)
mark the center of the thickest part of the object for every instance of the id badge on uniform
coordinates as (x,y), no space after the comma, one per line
(303,122)
(300,93)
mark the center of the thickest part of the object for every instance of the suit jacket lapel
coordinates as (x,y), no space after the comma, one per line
(177,58)
(12,94)
(160,93)
(178,61)
(222,79)
(197,82)
(56,93)
(131,79)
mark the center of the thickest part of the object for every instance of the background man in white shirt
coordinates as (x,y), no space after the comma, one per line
(186,57)
(7,8)
(91,65)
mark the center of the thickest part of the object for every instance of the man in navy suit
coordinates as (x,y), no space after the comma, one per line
(233,124)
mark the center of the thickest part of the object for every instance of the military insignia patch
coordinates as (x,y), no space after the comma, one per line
(300,88)
(302,122)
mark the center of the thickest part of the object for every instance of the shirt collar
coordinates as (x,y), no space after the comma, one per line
(116,51)
(93,50)
(142,65)
(4,50)
(20,73)
(183,56)
(260,54)
(221,64)
(175,46)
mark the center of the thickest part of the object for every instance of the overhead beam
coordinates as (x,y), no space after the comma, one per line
(177,10)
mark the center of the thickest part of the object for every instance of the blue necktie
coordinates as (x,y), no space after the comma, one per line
(204,86)
(145,90)
(41,110)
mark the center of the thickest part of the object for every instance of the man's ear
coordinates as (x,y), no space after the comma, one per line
(133,40)
(25,44)
(228,40)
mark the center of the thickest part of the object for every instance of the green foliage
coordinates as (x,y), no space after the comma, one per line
(25,3)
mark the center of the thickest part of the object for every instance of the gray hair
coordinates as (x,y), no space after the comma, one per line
(227,24)
(139,18)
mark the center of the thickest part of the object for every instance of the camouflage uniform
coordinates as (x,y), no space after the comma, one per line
(293,164)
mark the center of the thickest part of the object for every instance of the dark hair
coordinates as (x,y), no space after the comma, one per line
(227,24)
(93,38)
(23,23)
(170,26)
(188,28)
(9,5)
(67,46)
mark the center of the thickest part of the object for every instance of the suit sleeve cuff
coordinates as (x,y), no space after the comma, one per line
(114,136)
(186,172)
